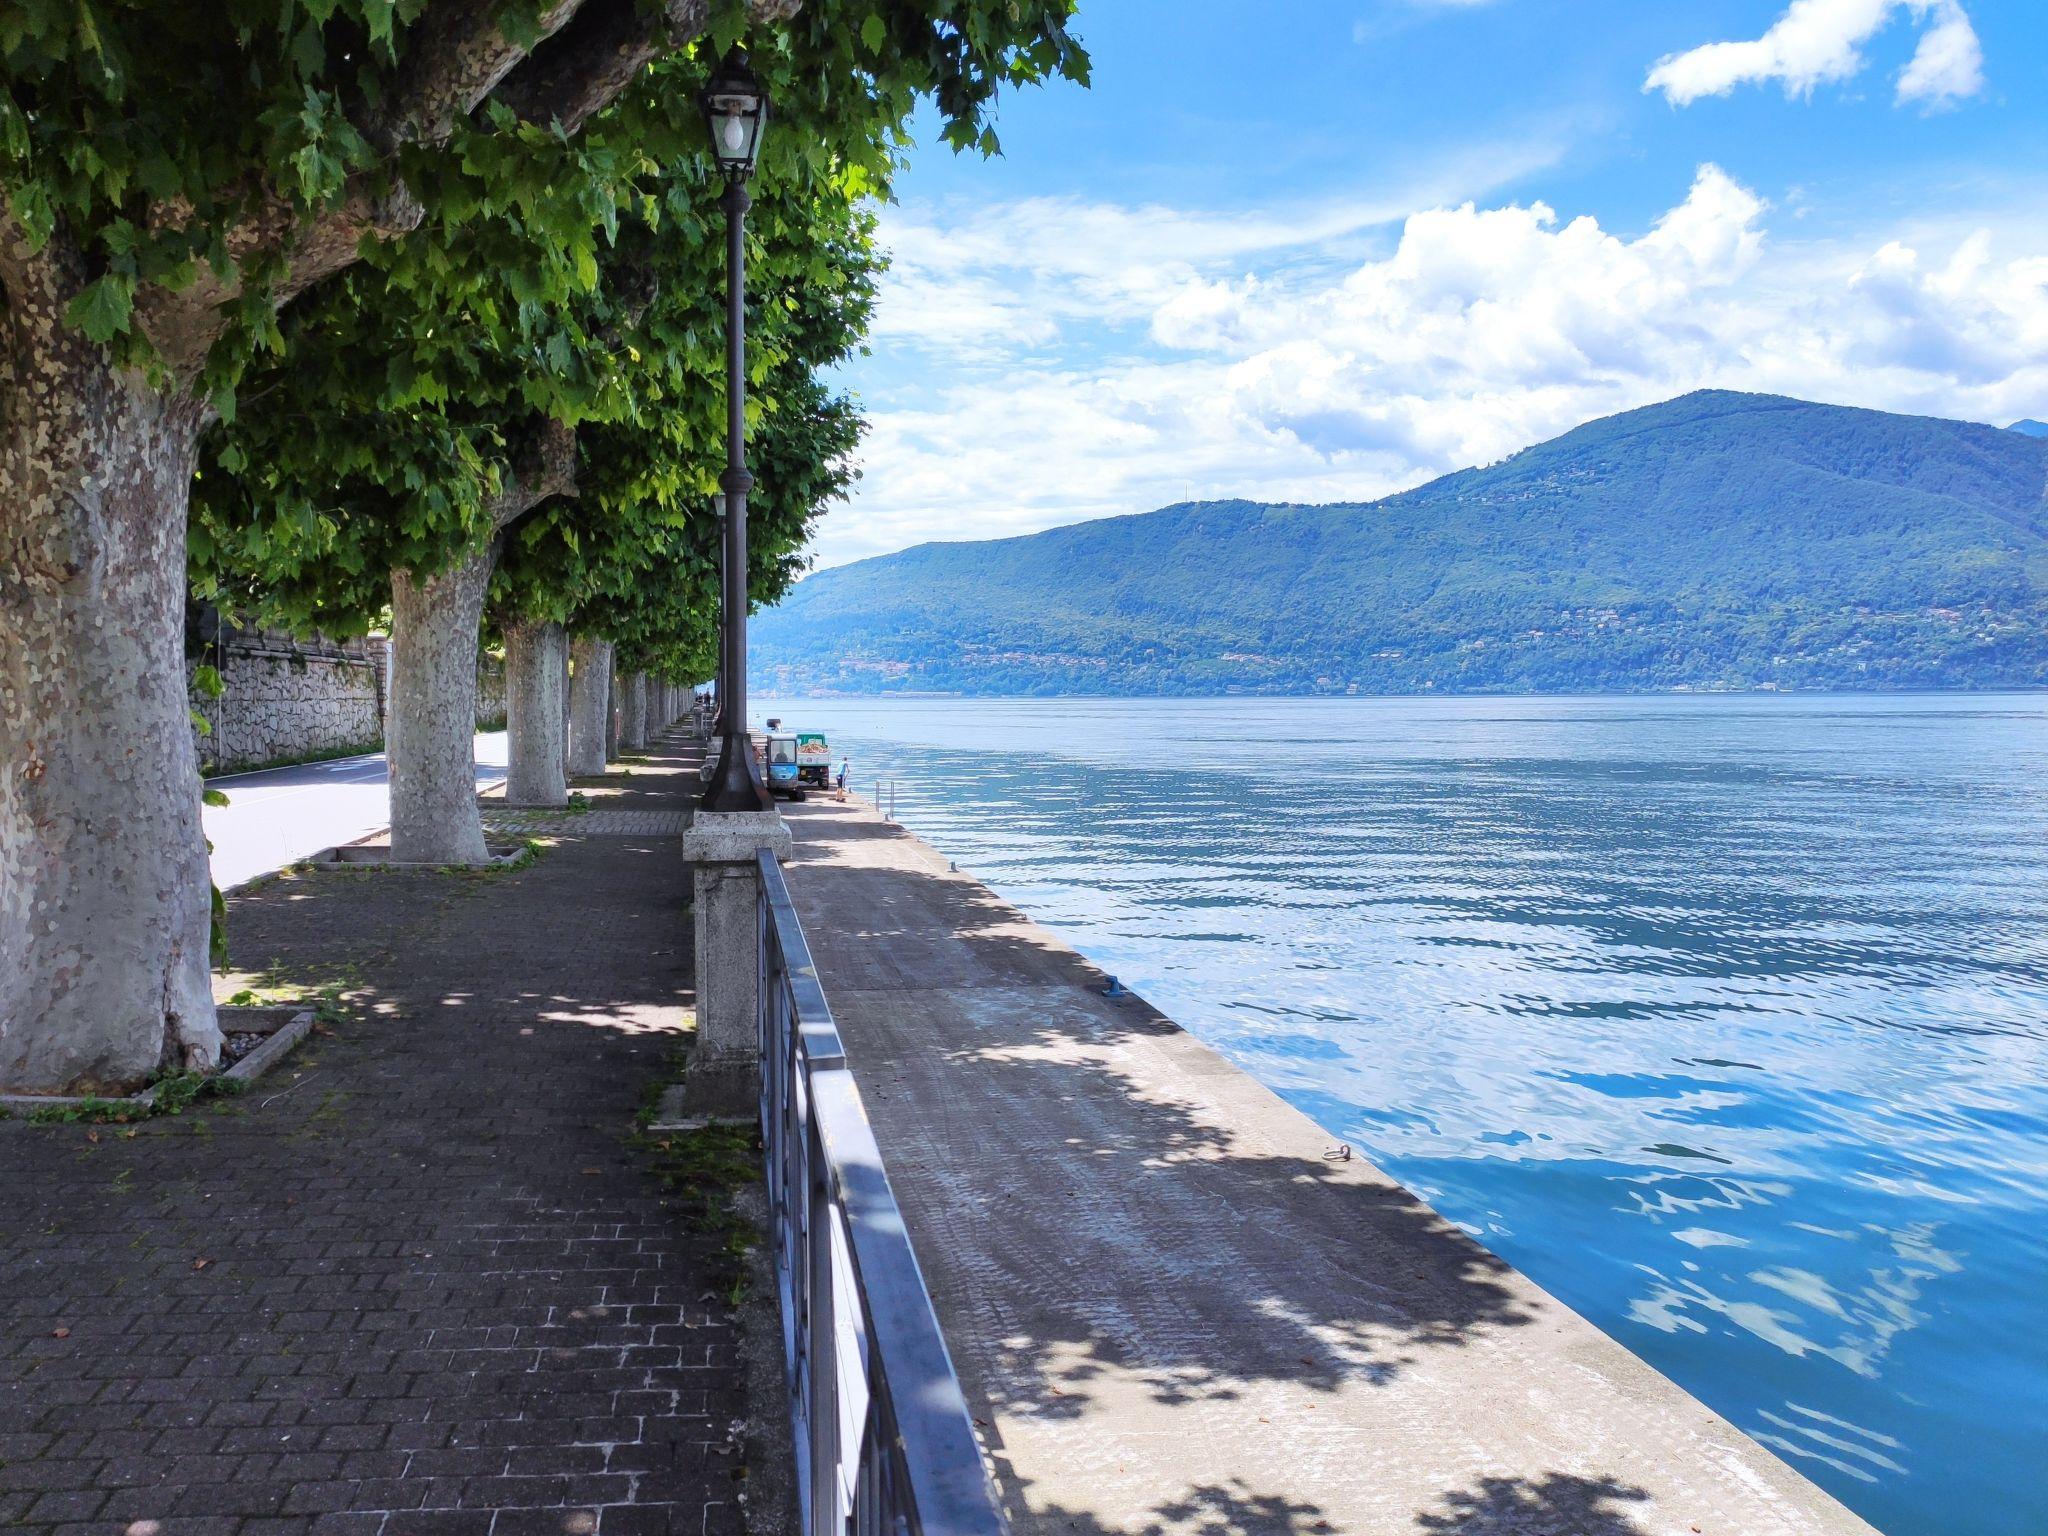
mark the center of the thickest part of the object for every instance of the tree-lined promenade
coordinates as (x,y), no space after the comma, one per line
(335,312)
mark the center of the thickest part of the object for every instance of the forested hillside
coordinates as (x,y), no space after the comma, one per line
(1718,540)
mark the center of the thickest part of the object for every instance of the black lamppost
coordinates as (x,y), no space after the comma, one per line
(735,110)
(718,679)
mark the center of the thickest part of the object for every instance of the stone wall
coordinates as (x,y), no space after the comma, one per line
(288,700)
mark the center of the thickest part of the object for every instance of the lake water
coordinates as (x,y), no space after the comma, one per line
(1725,1018)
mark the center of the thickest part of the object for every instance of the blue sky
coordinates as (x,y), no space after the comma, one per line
(1327,249)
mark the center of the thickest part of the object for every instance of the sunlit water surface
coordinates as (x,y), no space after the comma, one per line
(1724,1018)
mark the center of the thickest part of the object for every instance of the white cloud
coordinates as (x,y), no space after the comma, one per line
(1145,356)
(1820,42)
(1949,63)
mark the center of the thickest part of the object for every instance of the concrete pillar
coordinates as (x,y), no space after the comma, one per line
(724,1078)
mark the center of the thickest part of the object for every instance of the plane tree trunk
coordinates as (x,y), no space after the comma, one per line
(431,739)
(105,910)
(534,678)
(562,668)
(589,703)
(633,729)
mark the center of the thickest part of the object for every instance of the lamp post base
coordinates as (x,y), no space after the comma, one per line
(734,785)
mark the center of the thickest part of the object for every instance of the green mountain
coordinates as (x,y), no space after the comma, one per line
(1718,540)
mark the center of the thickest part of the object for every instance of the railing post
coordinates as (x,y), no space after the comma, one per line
(723,1081)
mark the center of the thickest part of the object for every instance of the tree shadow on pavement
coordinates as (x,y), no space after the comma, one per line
(1553,1504)
(1557,1504)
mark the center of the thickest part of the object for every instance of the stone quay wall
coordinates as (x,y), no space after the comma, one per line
(290,700)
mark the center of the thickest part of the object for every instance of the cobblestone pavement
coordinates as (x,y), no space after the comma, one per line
(417,1281)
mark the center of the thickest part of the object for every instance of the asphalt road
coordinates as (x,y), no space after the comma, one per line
(282,814)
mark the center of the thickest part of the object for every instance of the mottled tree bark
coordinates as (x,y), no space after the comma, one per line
(104,896)
(564,669)
(633,727)
(431,739)
(589,703)
(614,712)
(537,772)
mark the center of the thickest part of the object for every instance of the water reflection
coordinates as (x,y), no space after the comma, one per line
(1725,1018)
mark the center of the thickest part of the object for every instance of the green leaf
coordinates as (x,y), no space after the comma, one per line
(30,204)
(103,308)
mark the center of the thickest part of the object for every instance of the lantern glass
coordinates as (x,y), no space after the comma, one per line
(735,112)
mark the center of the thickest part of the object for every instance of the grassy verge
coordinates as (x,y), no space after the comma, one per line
(332,754)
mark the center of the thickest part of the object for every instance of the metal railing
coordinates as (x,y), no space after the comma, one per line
(884,1444)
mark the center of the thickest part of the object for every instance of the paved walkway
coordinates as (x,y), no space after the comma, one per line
(416,1281)
(279,815)
(1172,1311)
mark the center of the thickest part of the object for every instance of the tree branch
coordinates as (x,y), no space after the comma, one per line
(183,325)
(588,63)
(455,56)
(591,61)
(545,466)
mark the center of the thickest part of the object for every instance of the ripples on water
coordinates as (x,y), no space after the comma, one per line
(1726,1019)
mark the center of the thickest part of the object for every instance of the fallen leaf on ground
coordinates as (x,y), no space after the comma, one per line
(201,1263)
(65,1333)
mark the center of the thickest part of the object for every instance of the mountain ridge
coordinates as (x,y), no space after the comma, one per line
(1716,540)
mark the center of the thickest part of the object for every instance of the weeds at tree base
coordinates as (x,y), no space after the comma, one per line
(530,849)
(175,1093)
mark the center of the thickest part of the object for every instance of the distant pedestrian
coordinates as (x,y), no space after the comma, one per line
(845,768)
